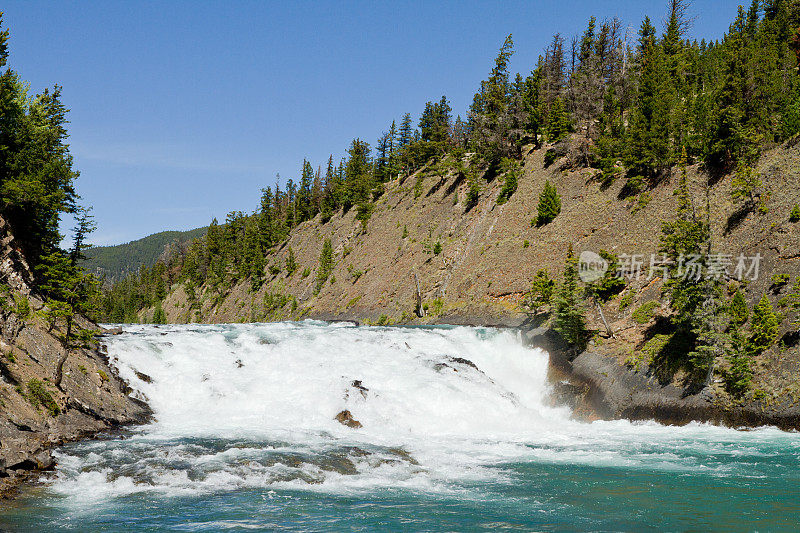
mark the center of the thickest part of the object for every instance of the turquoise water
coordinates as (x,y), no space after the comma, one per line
(458,435)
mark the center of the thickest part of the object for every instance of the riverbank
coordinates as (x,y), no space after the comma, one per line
(599,386)
(39,414)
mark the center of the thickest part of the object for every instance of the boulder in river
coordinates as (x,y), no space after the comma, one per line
(346,418)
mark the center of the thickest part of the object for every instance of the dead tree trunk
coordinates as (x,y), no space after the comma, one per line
(603,318)
(419,311)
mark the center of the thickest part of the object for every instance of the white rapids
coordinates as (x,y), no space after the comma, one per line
(254,406)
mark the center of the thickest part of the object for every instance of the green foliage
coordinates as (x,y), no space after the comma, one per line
(747,189)
(549,205)
(364,212)
(383,320)
(418,186)
(541,293)
(611,283)
(794,216)
(115,262)
(38,396)
(637,108)
(36,175)
(159,316)
(103,376)
(550,157)
(434,307)
(511,170)
(738,309)
(274,301)
(473,194)
(568,319)
(437,248)
(626,301)
(325,265)
(779,281)
(68,288)
(649,352)
(23,306)
(306,272)
(354,273)
(291,262)
(739,375)
(764,327)
(558,126)
(405,232)
(645,312)
(696,300)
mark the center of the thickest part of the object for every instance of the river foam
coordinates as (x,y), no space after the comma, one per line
(442,410)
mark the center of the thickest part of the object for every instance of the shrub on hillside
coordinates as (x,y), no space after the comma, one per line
(549,205)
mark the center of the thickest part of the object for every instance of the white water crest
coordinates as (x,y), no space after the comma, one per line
(254,406)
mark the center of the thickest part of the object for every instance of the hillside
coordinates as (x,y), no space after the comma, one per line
(114,262)
(491,253)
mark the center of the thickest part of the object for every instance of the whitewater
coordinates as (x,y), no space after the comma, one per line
(454,429)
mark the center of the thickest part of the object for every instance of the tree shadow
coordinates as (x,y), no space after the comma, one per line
(437,186)
(715,174)
(671,357)
(791,338)
(736,218)
(453,186)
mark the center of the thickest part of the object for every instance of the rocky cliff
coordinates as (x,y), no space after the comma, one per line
(474,264)
(35,413)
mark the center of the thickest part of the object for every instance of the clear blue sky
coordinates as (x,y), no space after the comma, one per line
(181,111)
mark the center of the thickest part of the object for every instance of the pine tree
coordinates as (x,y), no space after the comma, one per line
(541,293)
(358,174)
(406,132)
(739,376)
(305,208)
(291,262)
(794,216)
(490,117)
(549,205)
(558,122)
(36,175)
(764,327)
(511,171)
(568,319)
(738,309)
(159,317)
(325,265)
(648,136)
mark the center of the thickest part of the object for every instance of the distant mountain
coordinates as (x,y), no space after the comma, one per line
(114,262)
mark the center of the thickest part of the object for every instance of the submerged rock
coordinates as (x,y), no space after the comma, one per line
(144,377)
(462,361)
(346,418)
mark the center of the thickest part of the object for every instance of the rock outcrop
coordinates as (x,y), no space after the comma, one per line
(35,414)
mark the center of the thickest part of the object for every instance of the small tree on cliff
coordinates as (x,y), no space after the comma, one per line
(549,205)
(738,309)
(325,264)
(764,327)
(568,317)
(69,289)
